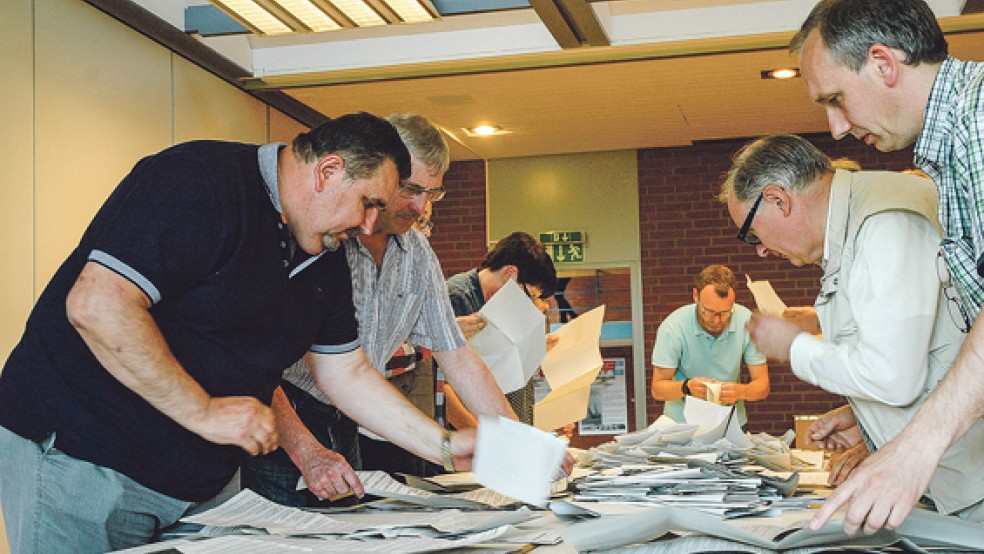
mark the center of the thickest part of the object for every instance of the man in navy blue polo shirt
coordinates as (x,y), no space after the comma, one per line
(150,359)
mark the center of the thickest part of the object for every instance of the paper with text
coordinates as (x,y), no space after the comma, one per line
(766,299)
(516,460)
(514,342)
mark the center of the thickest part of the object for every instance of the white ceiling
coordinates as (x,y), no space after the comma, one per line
(677,71)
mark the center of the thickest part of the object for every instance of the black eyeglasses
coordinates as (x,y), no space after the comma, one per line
(953,303)
(528,293)
(743,234)
(412,190)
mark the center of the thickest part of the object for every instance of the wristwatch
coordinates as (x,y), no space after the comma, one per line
(446,459)
(685,387)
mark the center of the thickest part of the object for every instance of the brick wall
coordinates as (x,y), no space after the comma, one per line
(683,229)
(459,218)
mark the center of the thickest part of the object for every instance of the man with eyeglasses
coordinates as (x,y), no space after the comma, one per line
(404,316)
(518,257)
(881,71)
(705,343)
(888,338)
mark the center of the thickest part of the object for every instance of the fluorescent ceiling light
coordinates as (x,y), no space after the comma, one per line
(359,12)
(411,11)
(276,17)
(310,15)
(255,17)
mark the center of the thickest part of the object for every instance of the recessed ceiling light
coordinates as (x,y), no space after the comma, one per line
(781,73)
(485,131)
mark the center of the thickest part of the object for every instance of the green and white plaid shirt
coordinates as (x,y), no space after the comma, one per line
(950,149)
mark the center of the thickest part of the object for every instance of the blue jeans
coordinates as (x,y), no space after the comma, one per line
(55,503)
(274,476)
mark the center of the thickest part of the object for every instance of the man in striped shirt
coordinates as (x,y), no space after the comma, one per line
(881,70)
(400,300)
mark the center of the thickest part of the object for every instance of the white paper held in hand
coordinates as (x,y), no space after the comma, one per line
(516,460)
(766,299)
(513,344)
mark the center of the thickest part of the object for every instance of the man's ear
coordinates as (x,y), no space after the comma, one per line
(778,196)
(885,62)
(696,294)
(327,167)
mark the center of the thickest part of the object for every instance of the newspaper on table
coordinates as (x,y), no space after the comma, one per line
(788,532)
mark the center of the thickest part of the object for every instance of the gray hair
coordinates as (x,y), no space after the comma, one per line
(850,27)
(424,141)
(785,160)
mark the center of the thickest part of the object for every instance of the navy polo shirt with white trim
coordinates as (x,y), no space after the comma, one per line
(198,230)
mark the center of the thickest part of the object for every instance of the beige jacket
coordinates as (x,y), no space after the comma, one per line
(855,197)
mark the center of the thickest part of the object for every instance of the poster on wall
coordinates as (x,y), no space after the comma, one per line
(608,411)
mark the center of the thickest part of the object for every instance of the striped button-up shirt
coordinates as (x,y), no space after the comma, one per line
(950,150)
(403,300)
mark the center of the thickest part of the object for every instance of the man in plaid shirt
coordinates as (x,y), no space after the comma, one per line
(881,71)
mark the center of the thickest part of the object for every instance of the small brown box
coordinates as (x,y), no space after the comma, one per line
(800,424)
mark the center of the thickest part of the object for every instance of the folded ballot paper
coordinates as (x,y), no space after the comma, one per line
(516,460)
(570,368)
(514,342)
(766,299)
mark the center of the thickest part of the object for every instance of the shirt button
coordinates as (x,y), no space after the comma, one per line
(283,244)
(286,263)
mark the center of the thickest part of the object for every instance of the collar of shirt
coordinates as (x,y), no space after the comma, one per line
(267,158)
(833,242)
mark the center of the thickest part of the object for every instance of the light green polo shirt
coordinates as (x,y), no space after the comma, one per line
(683,344)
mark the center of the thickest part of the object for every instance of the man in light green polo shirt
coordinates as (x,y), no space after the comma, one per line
(706,342)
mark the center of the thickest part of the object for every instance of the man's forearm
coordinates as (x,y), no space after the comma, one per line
(295,438)
(457,416)
(364,395)
(956,404)
(473,383)
(111,315)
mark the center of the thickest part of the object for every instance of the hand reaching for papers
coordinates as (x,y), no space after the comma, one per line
(805,317)
(882,490)
(463,449)
(240,420)
(328,476)
(835,430)
(842,464)
(471,324)
(773,335)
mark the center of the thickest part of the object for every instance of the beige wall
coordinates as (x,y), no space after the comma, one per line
(594,192)
(84,98)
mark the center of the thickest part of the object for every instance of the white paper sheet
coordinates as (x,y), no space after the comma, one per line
(705,415)
(514,342)
(577,351)
(566,404)
(766,299)
(516,460)
(713,392)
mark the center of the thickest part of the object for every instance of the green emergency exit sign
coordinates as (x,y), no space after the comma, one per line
(564,246)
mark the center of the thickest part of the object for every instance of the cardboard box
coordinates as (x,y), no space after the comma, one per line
(800,424)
